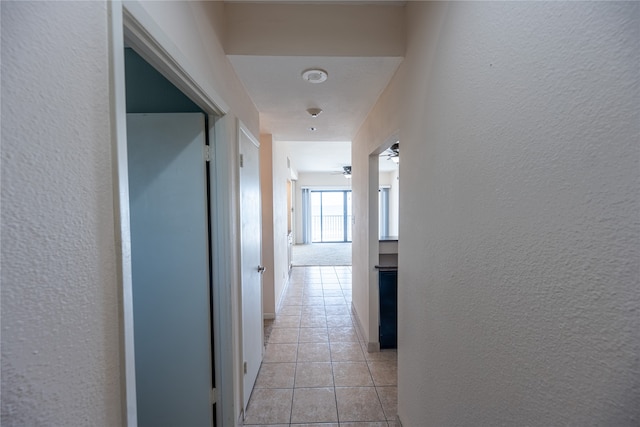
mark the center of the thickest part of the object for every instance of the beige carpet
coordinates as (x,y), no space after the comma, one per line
(321,254)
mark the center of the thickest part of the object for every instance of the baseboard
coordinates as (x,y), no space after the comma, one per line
(268,316)
(284,291)
(372,346)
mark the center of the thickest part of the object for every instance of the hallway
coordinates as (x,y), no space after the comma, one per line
(316,370)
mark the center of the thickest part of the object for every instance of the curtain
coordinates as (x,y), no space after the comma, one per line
(383,201)
(306,216)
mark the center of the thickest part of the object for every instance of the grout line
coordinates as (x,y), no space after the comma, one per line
(301,283)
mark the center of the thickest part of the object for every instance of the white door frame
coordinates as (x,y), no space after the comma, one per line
(373,345)
(150,42)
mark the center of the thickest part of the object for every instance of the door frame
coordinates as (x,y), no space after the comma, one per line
(129,20)
(373,182)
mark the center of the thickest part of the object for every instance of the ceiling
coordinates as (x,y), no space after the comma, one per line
(325,156)
(281,95)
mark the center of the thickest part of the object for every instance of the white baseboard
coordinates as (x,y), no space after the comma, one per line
(281,299)
(372,346)
(268,316)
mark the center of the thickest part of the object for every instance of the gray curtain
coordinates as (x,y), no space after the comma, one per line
(384,211)
(306,216)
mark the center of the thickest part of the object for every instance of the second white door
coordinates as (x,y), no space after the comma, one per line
(251,238)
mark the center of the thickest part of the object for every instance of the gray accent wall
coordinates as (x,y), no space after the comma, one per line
(148,91)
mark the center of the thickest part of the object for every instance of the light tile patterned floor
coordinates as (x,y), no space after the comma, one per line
(316,370)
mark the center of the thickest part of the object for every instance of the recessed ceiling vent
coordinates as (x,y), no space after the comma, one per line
(315,75)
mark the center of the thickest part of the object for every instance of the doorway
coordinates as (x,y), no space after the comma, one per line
(331,212)
(169,199)
(132,27)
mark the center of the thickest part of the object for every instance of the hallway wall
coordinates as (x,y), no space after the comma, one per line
(60,320)
(519,235)
(381,125)
(61,343)
(266,194)
(519,241)
(283,169)
(276,169)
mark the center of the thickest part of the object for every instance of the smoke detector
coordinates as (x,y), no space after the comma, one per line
(314,112)
(315,75)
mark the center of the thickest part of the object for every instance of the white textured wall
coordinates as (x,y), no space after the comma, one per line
(266,190)
(381,125)
(274,175)
(519,224)
(60,345)
(281,173)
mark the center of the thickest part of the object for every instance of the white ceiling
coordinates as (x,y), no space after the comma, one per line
(321,2)
(276,86)
(282,97)
(327,156)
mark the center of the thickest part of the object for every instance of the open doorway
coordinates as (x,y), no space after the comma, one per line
(326,218)
(137,168)
(331,212)
(389,192)
(169,199)
(326,227)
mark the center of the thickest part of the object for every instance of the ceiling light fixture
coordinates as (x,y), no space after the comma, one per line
(315,75)
(314,112)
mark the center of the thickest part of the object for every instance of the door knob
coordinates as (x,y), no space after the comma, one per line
(261,269)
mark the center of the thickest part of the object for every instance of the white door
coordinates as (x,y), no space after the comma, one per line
(170,269)
(251,238)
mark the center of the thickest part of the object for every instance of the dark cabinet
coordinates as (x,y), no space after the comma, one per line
(388,286)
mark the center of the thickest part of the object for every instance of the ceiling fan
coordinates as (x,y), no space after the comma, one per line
(346,172)
(392,153)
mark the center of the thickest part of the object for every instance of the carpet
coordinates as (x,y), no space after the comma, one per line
(321,254)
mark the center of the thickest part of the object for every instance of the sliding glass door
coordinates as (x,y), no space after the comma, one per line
(331,216)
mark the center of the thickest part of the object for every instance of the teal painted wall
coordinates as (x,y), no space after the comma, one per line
(148,91)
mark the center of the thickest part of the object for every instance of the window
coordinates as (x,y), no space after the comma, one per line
(330,216)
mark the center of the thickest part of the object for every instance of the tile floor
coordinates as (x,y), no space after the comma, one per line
(316,370)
